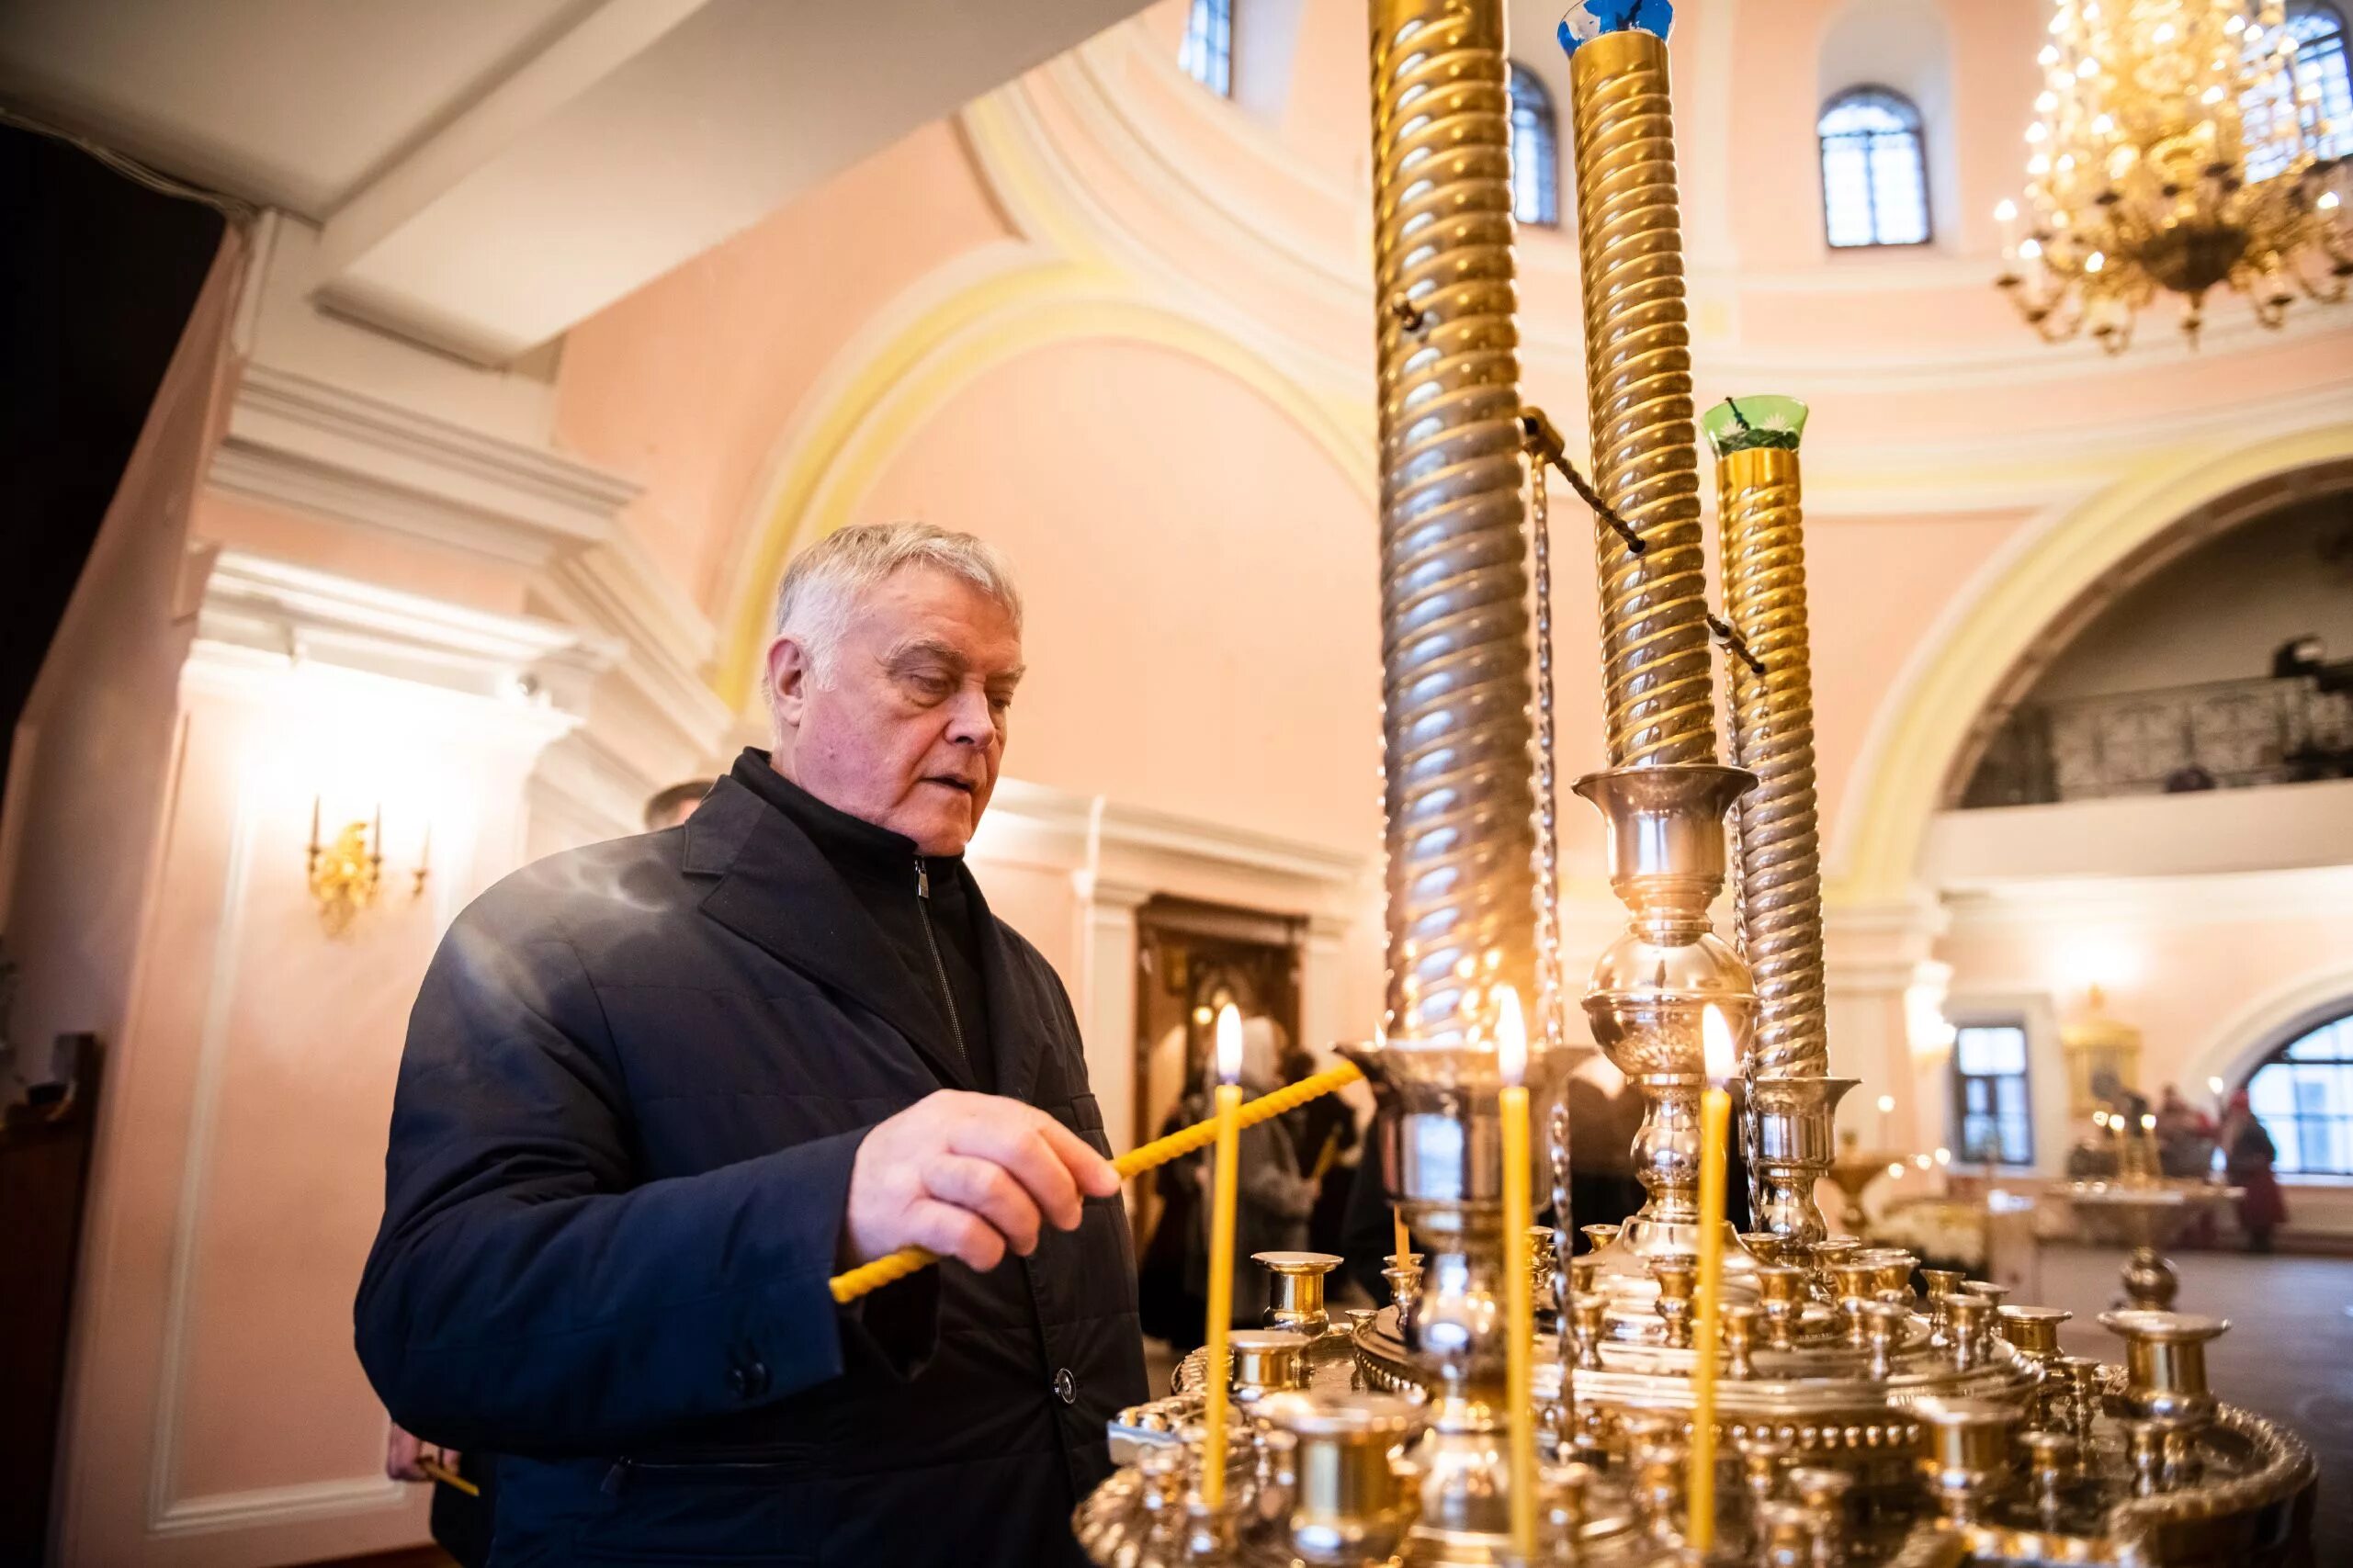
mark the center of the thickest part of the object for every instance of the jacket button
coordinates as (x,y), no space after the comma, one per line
(1066,1387)
(748,1379)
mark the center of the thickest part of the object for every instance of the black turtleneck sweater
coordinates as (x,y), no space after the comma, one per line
(925,905)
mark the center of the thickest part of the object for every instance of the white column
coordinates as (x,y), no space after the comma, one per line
(1322,1001)
(1877,973)
(1106,1001)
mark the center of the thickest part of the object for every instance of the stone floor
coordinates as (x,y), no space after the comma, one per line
(2289,1354)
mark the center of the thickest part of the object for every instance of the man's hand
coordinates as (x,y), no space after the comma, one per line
(966,1175)
(405,1456)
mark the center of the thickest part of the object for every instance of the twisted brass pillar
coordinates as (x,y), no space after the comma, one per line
(1456,723)
(1453,613)
(1663,795)
(1638,377)
(1792,1097)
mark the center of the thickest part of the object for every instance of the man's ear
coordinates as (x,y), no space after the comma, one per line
(789,674)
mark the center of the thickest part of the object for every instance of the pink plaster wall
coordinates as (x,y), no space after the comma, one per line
(2181,980)
(460,577)
(688,384)
(1221,545)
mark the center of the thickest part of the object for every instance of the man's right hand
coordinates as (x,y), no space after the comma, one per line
(966,1175)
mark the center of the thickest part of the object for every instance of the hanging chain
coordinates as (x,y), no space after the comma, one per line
(1547,795)
(1548,989)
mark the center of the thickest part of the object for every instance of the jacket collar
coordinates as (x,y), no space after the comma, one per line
(776,890)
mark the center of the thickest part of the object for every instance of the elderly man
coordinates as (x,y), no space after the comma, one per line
(657,1091)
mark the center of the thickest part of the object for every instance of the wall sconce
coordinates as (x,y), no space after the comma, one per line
(345,875)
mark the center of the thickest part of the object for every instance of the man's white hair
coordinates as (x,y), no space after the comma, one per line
(825,582)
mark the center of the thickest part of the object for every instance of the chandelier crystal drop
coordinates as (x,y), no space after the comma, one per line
(2172,151)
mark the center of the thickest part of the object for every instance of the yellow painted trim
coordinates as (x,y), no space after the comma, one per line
(1928,717)
(944,352)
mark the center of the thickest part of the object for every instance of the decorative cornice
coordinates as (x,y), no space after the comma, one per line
(310,446)
(1080,819)
(2317,895)
(260,614)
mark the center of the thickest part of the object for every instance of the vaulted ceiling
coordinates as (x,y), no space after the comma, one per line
(486,173)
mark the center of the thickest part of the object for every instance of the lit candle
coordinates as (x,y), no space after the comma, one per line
(1715,1118)
(1519,1296)
(1223,1179)
(1886,1109)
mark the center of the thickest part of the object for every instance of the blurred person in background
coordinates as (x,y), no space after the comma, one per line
(670,807)
(2247,1156)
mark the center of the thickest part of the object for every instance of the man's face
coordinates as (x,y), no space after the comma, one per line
(908,727)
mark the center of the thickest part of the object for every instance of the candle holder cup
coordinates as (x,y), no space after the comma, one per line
(1265,1360)
(1295,1289)
(1966,1454)
(2164,1363)
(1348,1504)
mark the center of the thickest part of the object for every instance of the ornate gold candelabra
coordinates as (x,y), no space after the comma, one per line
(1858,1423)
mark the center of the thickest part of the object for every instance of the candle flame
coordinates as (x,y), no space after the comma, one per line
(2148,1121)
(1886,1105)
(1510,1036)
(2214,1085)
(1229,1043)
(1717,1046)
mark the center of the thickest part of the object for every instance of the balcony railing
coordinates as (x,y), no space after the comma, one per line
(2221,735)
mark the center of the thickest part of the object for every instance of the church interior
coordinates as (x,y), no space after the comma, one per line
(416,405)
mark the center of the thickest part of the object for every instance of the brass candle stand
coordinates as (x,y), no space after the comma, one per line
(1857,1422)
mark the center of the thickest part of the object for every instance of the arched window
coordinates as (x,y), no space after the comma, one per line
(2304,1096)
(1208,52)
(1874,172)
(2318,29)
(1536,151)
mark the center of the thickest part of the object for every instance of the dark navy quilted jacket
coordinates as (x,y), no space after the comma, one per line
(634,1083)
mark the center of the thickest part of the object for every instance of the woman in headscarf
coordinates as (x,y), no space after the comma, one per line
(2248,1155)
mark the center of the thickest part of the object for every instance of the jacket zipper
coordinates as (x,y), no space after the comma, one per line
(939,970)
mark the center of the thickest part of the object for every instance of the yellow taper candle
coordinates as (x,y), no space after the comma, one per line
(1223,1179)
(1404,1242)
(1716,1121)
(1518,1297)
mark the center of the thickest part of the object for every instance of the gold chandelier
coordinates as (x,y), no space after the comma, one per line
(2172,151)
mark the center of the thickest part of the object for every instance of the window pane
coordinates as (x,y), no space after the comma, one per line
(2322,67)
(2304,1096)
(1990,1049)
(1976,1137)
(1895,195)
(2018,1147)
(1207,53)
(1846,190)
(2009,1096)
(1535,182)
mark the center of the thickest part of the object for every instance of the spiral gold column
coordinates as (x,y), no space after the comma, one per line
(1454,615)
(1776,824)
(1456,723)
(1638,375)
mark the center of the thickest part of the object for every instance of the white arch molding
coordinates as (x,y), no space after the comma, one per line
(1931,711)
(2243,1042)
